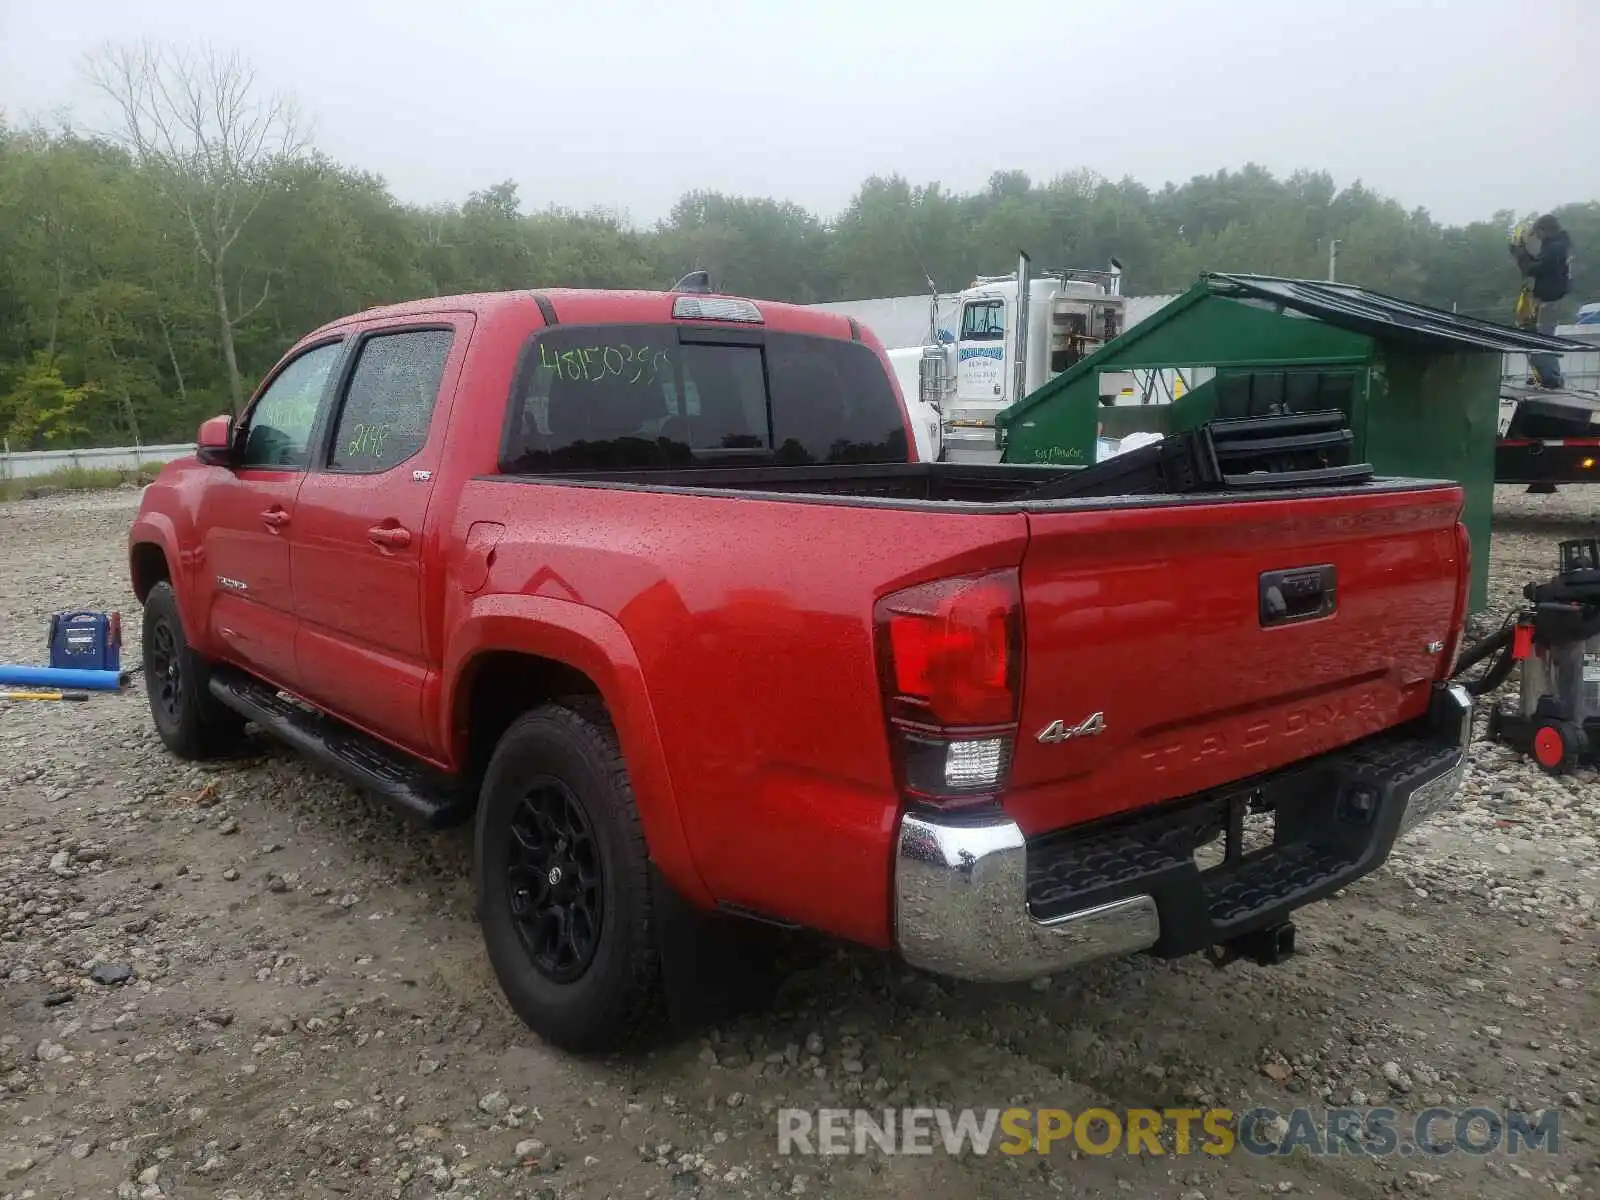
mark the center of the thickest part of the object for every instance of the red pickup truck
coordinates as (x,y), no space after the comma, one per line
(649,586)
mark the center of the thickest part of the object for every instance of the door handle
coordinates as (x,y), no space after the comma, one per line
(275,518)
(1306,594)
(389,537)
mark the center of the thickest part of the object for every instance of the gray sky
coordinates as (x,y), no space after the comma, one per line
(626,103)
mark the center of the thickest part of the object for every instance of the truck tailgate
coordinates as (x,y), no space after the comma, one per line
(1152,670)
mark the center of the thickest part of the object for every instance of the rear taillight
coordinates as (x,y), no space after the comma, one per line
(949,655)
(1458,625)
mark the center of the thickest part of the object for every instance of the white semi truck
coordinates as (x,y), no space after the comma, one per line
(1014,334)
(963,357)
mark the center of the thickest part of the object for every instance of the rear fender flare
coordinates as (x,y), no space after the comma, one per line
(589,641)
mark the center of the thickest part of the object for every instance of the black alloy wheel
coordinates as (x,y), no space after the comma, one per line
(554,881)
(566,894)
(164,671)
(192,722)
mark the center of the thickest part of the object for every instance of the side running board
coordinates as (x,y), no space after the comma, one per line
(415,788)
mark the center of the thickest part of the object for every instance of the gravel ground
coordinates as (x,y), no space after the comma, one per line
(250,981)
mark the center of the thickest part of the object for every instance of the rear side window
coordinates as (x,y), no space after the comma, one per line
(389,402)
(629,397)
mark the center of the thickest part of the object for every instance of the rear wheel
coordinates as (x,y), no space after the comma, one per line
(565,892)
(190,720)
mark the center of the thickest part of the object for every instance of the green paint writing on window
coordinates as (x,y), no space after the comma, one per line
(296,412)
(368,441)
(594,364)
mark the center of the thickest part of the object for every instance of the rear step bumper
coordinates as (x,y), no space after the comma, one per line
(978,900)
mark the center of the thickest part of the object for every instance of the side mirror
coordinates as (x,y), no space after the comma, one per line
(214,442)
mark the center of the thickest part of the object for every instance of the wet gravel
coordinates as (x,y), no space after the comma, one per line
(248,980)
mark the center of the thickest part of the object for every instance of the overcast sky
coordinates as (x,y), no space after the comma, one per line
(1460,106)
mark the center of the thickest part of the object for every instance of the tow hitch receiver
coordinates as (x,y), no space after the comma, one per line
(1268,946)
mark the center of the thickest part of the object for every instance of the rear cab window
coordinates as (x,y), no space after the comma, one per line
(637,397)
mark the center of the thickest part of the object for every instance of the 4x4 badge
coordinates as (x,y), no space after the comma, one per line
(1060,731)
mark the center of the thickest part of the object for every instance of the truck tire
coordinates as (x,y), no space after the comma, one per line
(191,721)
(564,887)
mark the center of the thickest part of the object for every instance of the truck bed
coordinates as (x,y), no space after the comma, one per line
(937,483)
(1145,607)
(1296,454)
(945,486)
(1183,622)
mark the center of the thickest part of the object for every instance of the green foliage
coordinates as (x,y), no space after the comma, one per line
(40,407)
(109,328)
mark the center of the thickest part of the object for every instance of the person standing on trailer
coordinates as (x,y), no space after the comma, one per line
(1547,273)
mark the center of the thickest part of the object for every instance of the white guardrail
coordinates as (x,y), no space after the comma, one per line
(28,463)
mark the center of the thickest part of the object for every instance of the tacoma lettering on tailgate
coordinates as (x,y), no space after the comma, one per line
(1355,715)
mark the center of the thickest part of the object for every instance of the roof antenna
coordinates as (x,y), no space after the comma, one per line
(698,281)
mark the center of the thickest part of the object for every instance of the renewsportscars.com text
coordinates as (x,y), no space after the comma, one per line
(1217,1132)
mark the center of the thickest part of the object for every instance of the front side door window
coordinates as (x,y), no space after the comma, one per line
(283,419)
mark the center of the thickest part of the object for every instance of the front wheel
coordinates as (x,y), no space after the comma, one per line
(190,720)
(565,894)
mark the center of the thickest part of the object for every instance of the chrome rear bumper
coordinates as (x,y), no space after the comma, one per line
(961,908)
(1452,717)
(962,888)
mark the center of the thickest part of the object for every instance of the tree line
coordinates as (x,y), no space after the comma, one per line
(150,274)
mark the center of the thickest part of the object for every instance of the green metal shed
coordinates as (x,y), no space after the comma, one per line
(1420,386)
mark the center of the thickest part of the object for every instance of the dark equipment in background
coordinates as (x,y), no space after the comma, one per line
(1234,454)
(1555,641)
(1552,437)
